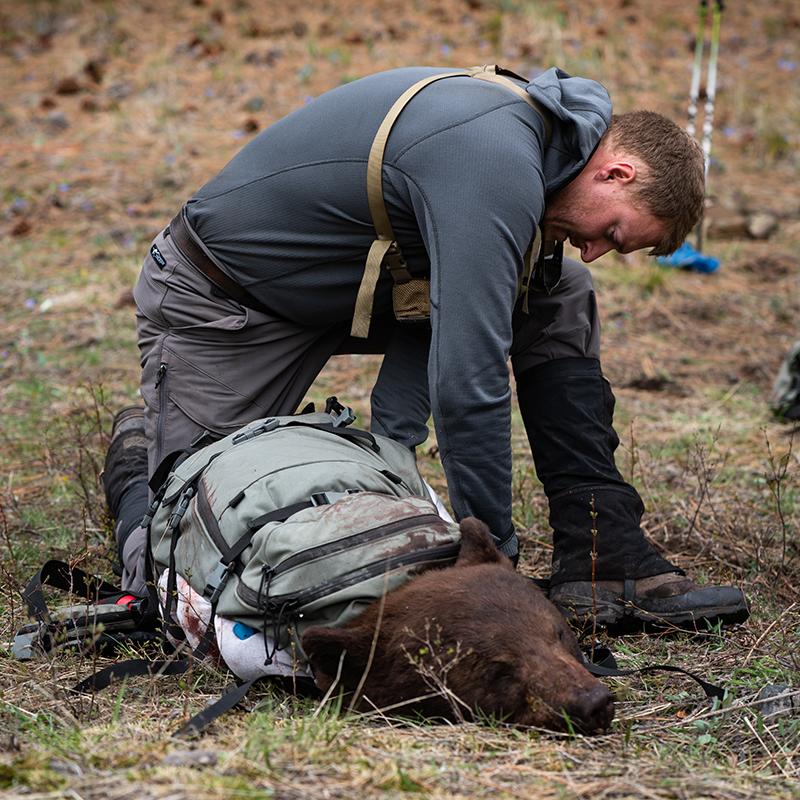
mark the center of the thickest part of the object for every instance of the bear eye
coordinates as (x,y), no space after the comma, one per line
(501,671)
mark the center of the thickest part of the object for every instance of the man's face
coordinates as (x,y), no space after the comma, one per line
(595,212)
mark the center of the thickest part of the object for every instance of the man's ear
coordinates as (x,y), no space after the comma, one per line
(477,545)
(327,648)
(622,170)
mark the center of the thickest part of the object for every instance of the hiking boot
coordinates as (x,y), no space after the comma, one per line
(126,459)
(666,600)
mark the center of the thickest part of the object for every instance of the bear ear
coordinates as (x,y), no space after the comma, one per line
(477,545)
(327,648)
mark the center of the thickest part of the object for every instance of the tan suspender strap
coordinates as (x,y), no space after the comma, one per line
(529,262)
(380,219)
(384,250)
(485,74)
(380,249)
(362,316)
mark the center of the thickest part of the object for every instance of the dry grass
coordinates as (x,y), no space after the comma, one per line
(89,177)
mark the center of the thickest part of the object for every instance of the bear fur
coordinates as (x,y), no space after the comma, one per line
(474,640)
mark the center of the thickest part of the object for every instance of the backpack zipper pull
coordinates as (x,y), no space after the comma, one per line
(266,578)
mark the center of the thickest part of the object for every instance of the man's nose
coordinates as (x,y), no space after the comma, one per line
(591,251)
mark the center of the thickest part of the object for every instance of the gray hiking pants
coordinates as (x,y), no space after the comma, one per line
(209,363)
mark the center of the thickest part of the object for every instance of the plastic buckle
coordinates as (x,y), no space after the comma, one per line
(266,426)
(216,581)
(341,415)
(326,498)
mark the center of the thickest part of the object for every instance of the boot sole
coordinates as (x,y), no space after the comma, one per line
(619,620)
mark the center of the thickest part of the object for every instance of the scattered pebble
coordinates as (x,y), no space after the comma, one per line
(57,121)
(780,705)
(21,228)
(95,69)
(64,766)
(191,758)
(68,85)
(119,91)
(254,105)
(762,225)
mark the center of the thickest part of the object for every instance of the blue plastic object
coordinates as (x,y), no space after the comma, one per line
(242,631)
(686,257)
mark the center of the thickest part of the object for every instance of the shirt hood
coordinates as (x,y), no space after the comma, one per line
(581,111)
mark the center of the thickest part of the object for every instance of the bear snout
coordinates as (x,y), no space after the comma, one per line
(591,710)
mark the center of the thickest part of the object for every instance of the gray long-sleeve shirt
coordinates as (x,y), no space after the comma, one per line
(466,172)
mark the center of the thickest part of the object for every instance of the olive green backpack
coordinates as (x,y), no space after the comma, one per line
(297,521)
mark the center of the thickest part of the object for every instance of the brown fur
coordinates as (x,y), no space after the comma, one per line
(477,636)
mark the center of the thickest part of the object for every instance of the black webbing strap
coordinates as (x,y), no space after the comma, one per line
(278,515)
(354,434)
(132,668)
(163,470)
(232,697)
(61,575)
(136,667)
(601,662)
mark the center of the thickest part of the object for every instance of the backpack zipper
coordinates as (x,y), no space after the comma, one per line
(293,602)
(355,539)
(247,595)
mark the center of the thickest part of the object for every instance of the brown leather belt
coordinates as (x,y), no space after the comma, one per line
(183,238)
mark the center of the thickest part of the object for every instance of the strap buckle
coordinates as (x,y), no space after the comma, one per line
(394,262)
(342,415)
(327,498)
(215,584)
(266,426)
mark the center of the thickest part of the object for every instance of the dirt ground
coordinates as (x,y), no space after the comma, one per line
(112,114)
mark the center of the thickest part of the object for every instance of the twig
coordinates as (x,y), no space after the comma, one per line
(331,688)
(373,646)
(766,749)
(766,632)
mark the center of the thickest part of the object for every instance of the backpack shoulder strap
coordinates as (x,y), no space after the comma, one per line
(385,251)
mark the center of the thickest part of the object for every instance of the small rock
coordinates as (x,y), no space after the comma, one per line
(254,105)
(250,125)
(191,758)
(95,69)
(268,58)
(780,705)
(47,102)
(89,104)
(65,767)
(21,228)
(727,225)
(119,91)
(57,121)
(762,225)
(68,85)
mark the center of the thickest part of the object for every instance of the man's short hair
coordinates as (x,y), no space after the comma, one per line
(673,186)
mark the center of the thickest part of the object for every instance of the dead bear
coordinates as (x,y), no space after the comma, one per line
(473,640)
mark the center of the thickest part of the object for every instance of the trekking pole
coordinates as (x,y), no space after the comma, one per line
(699,46)
(711,91)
